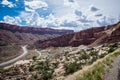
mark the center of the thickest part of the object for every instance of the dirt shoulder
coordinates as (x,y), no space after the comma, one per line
(114,72)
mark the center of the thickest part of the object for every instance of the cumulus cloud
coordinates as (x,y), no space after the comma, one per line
(51,25)
(59,14)
(71,0)
(119,17)
(84,19)
(29,10)
(94,9)
(78,13)
(98,15)
(12,20)
(106,21)
(69,24)
(7,3)
(35,4)
(30,18)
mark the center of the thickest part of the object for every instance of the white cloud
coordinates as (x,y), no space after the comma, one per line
(106,21)
(71,0)
(27,17)
(62,14)
(29,10)
(94,9)
(35,4)
(84,19)
(12,20)
(69,24)
(7,3)
(119,17)
(98,15)
(78,13)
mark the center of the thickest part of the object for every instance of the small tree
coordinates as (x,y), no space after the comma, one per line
(71,67)
(34,58)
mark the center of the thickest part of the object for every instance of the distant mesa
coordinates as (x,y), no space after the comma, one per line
(33,30)
(21,35)
(93,36)
(46,37)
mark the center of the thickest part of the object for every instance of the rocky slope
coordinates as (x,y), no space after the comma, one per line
(93,36)
(13,34)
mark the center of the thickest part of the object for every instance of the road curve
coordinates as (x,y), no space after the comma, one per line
(38,52)
(25,52)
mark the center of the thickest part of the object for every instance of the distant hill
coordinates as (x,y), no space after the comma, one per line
(93,36)
(13,34)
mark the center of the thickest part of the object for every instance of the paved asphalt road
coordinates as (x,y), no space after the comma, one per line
(114,73)
(25,52)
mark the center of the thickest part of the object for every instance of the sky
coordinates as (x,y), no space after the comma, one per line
(60,14)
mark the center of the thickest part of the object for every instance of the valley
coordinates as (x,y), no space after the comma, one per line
(84,55)
(59,40)
(12,37)
(61,63)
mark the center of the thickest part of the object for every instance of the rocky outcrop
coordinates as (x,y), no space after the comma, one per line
(111,35)
(93,36)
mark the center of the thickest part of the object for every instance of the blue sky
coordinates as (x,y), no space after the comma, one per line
(60,14)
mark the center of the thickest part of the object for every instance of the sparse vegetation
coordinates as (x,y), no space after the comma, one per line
(71,68)
(98,70)
(58,63)
(43,70)
(112,47)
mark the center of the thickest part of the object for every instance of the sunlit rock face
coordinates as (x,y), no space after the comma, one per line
(93,36)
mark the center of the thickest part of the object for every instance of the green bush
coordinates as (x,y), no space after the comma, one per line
(44,72)
(112,47)
(71,67)
(84,56)
(34,58)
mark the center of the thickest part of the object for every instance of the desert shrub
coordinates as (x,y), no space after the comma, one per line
(43,70)
(102,55)
(112,47)
(94,59)
(84,56)
(71,67)
(34,58)
(93,53)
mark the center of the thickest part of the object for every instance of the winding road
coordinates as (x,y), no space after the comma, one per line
(25,52)
(38,53)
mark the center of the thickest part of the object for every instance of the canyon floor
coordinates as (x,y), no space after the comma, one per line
(59,63)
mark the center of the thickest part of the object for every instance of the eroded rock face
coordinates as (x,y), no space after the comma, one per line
(92,36)
(25,29)
(111,35)
(13,34)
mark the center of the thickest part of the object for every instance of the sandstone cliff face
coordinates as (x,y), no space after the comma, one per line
(55,42)
(13,34)
(92,36)
(26,29)
(110,36)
